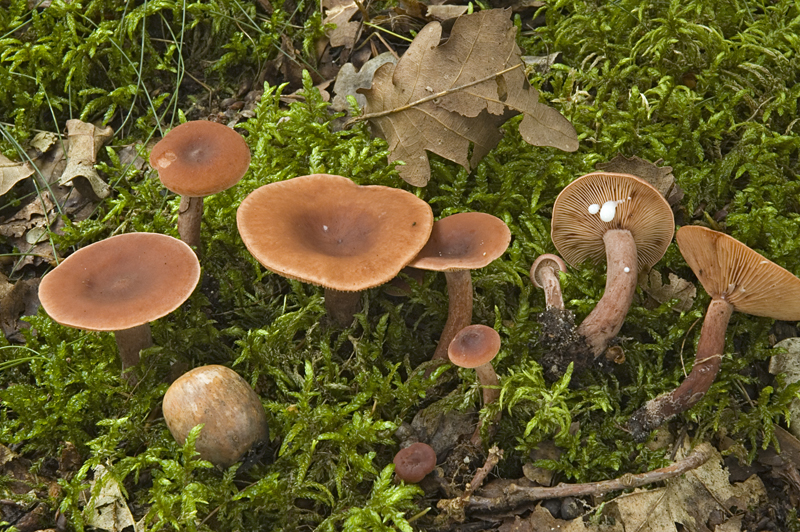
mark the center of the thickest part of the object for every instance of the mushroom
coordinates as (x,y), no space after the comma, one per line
(197,159)
(475,346)
(544,275)
(414,462)
(232,415)
(627,221)
(121,284)
(737,278)
(326,230)
(460,243)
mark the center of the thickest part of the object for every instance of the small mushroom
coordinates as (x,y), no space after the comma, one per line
(197,159)
(627,221)
(737,278)
(544,275)
(232,415)
(414,462)
(475,346)
(121,284)
(460,243)
(326,230)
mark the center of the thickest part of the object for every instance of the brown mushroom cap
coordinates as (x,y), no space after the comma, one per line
(218,397)
(474,346)
(120,282)
(641,209)
(326,230)
(464,241)
(414,462)
(200,158)
(547,259)
(730,270)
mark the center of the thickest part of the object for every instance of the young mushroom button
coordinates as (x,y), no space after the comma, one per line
(326,230)
(737,278)
(414,462)
(197,159)
(121,284)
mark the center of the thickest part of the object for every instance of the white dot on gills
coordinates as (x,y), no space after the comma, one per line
(608,210)
(594,208)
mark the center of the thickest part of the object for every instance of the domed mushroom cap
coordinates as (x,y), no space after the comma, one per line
(464,241)
(414,462)
(597,202)
(474,346)
(730,270)
(200,158)
(326,230)
(120,282)
(218,397)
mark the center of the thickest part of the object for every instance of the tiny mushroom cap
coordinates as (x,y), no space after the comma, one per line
(600,201)
(414,462)
(546,260)
(474,346)
(120,282)
(730,270)
(200,158)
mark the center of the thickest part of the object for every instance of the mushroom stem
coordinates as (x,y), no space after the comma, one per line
(341,306)
(707,363)
(130,342)
(552,287)
(190,212)
(605,321)
(491,393)
(459,314)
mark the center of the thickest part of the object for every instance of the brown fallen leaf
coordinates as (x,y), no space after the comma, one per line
(540,520)
(678,288)
(338,12)
(85,140)
(21,300)
(348,81)
(659,176)
(12,173)
(28,229)
(442,98)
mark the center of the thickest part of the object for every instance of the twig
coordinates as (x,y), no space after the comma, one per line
(407,106)
(454,508)
(514,495)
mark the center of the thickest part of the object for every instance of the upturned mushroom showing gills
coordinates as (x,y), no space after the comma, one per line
(544,275)
(232,415)
(326,230)
(413,463)
(197,159)
(623,219)
(121,284)
(737,278)
(460,243)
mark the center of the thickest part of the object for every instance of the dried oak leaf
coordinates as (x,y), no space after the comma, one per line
(338,12)
(442,98)
(659,176)
(12,172)
(678,288)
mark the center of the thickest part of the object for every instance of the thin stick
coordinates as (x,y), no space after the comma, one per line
(454,508)
(515,496)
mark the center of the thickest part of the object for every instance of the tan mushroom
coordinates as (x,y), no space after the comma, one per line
(460,243)
(413,463)
(623,219)
(737,278)
(326,230)
(232,415)
(121,284)
(197,159)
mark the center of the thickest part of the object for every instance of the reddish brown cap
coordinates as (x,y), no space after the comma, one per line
(465,241)
(200,158)
(597,202)
(729,270)
(326,230)
(546,259)
(474,346)
(414,462)
(120,282)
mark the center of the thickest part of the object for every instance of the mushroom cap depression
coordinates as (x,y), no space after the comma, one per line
(597,202)
(200,158)
(414,462)
(474,346)
(730,270)
(464,241)
(120,282)
(326,230)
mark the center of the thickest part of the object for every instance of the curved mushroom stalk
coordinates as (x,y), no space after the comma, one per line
(544,275)
(459,313)
(491,393)
(190,214)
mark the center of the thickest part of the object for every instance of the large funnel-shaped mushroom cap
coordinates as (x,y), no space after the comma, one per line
(200,158)
(465,241)
(121,282)
(326,230)
(597,202)
(729,270)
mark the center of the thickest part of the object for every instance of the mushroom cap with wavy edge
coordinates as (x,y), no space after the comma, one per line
(474,346)
(200,158)
(464,241)
(578,233)
(730,270)
(120,282)
(414,462)
(326,230)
